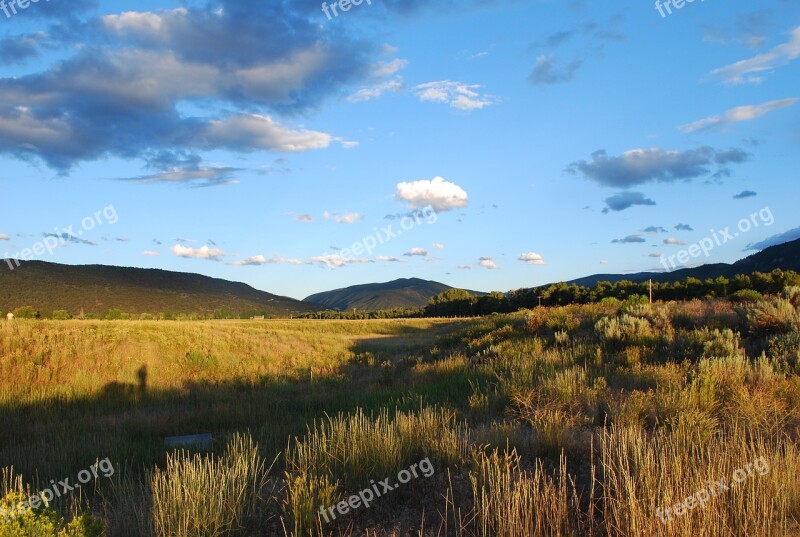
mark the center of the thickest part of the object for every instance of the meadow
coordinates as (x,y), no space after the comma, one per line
(598,420)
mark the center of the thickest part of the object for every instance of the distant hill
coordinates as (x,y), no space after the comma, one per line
(98,288)
(783,256)
(403,293)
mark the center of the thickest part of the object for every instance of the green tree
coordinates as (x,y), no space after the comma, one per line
(25,312)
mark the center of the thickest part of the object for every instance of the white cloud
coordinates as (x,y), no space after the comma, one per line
(255,132)
(388,259)
(4,237)
(672,241)
(259,260)
(307,218)
(373,92)
(738,114)
(386,69)
(488,263)
(150,253)
(416,252)
(336,261)
(438,246)
(349,218)
(455,94)
(750,71)
(531,258)
(440,194)
(212,254)
(603,262)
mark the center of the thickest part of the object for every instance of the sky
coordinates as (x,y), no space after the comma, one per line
(489,145)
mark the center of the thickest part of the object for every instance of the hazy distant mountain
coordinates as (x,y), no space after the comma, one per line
(98,288)
(406,293)
(783,256)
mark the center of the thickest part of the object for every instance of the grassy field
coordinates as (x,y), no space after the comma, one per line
(593,420)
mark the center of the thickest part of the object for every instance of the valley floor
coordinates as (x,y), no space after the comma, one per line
(617,419)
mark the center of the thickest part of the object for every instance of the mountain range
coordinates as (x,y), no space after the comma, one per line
(98,288)
(402,293)
(784,256)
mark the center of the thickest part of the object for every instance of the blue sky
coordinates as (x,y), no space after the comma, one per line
(535,141)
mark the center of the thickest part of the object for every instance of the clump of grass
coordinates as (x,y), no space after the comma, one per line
(511,501)
(643,472)
(352,449)
(199,496)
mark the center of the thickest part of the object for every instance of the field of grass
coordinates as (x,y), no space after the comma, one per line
(570,421)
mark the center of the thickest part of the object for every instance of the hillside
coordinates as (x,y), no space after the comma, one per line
(98,288)
(783,256)
(402,293)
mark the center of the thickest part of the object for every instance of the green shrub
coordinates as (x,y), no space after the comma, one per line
(625,328)
(42,522)
(115,314)
(61,315)
(746,295)
(775,316)
(25,312)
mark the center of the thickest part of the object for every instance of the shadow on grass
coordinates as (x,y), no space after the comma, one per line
(127,422)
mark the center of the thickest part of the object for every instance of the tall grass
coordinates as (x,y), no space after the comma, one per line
(200,496)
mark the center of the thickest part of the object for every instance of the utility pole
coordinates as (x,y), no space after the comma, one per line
(651,291)
(540,301)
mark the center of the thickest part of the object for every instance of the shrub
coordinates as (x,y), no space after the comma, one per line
(42,522)
(61,315)
(746,295)
(776,316)
(25,312)
(625,328)
(115,314)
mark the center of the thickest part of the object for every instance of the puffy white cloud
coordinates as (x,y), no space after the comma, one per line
(4,237)
(531,258)
(204,252)
(440,194)
(416,252)
(672,241)
(488,263)
(438,245)
(388,259)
